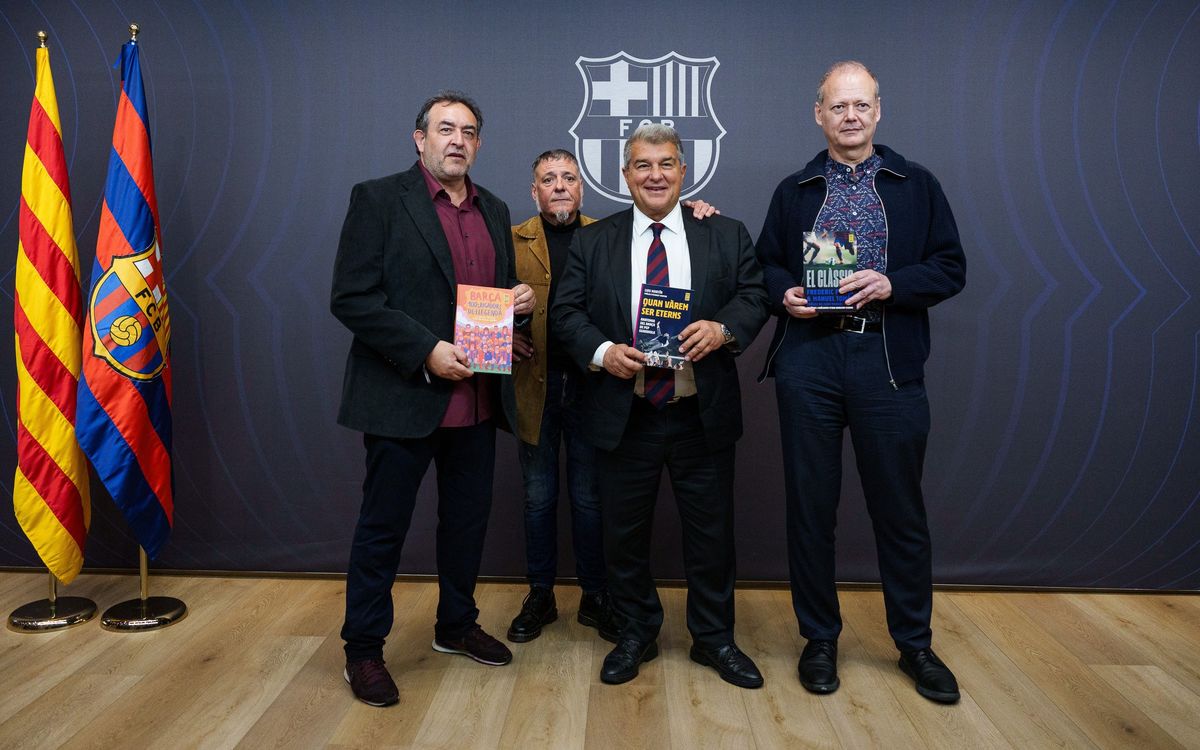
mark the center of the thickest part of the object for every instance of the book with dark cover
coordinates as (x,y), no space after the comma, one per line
(483,326)
(663,313)
(829,257)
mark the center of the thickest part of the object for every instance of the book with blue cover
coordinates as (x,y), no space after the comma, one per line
(829,257)
(663,313)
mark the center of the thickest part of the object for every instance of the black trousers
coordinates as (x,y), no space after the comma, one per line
(703,484)
(465,460)
(836,381)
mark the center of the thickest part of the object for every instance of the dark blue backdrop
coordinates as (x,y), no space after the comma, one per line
(1066,135)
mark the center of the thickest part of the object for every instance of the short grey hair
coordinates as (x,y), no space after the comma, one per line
(657,134)
(839,66)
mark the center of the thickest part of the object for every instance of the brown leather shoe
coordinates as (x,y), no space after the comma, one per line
(476,644)
(371,682)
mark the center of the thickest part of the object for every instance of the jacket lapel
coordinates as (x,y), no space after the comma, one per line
(620,241)
(535,233)
(699,238)
(416,201)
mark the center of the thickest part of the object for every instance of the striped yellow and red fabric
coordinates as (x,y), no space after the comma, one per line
(50,491)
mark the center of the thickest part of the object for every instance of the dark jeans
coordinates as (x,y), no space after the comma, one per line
(562,424)
(834,381)
(465,458)
(702,481)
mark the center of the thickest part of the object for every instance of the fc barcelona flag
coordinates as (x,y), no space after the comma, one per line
(124,418)
(50,489)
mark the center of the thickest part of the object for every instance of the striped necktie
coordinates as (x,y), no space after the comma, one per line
(659,381)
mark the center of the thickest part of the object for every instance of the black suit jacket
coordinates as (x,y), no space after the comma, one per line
(593,306)
(394,288)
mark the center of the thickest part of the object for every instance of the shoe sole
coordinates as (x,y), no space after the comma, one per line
(751,684)
(937,696)
(650,655)
(346,674)
(527,637)
(447,650)
(821,688)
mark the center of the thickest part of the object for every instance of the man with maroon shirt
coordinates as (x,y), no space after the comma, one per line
(408,240)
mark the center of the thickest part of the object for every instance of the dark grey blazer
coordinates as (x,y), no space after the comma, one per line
(593,305)
(394,288)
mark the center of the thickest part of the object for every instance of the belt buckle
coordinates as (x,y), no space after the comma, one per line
(853,324)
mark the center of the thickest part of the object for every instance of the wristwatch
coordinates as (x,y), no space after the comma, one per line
(728,334)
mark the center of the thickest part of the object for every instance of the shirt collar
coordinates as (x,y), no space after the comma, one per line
(436,189)
(672,221)
(865,168)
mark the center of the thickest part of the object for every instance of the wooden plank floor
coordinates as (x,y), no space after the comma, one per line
(258,664)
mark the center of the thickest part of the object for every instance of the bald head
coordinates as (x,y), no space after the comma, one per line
(843,66)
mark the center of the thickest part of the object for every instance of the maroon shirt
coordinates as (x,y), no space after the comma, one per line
(474,258)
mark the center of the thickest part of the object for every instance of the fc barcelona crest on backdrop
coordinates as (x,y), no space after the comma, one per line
(129,320)
(621,92)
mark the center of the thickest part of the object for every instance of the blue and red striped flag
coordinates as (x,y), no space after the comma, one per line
(50,489)
(124,419)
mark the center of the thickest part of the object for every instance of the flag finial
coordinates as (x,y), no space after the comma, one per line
(42,37)
(133,31)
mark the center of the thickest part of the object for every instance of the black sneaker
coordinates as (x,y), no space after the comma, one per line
(537,610)
(371,683)
(476,644)
(596,611)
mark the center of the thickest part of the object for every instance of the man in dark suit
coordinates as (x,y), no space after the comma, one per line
(407,242)
(641,419)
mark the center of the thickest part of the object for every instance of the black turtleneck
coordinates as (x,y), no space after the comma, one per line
(558,239)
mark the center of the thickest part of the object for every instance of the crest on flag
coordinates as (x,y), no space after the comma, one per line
(622,92)
(128,315)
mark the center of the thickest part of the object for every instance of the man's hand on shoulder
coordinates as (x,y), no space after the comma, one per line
(700,209)
(448,362)
(623,361)
(796,304)
(523,300)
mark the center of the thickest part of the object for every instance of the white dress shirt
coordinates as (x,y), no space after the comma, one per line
(679,267)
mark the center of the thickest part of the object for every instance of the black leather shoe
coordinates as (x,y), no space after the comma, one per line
(621,664)
(537,610)
(731,663)
(934,679)
(818,667)
(596,611)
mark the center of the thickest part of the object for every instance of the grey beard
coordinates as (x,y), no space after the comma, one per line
(562,217)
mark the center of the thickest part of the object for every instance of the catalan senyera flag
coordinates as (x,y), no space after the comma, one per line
(50,490)
(124,421)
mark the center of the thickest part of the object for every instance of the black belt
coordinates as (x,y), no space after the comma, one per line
(641,399)
(851,323)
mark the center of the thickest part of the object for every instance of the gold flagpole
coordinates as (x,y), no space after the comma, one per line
(146,612)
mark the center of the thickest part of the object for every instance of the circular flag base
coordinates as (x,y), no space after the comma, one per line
(46,615)
(151,613)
